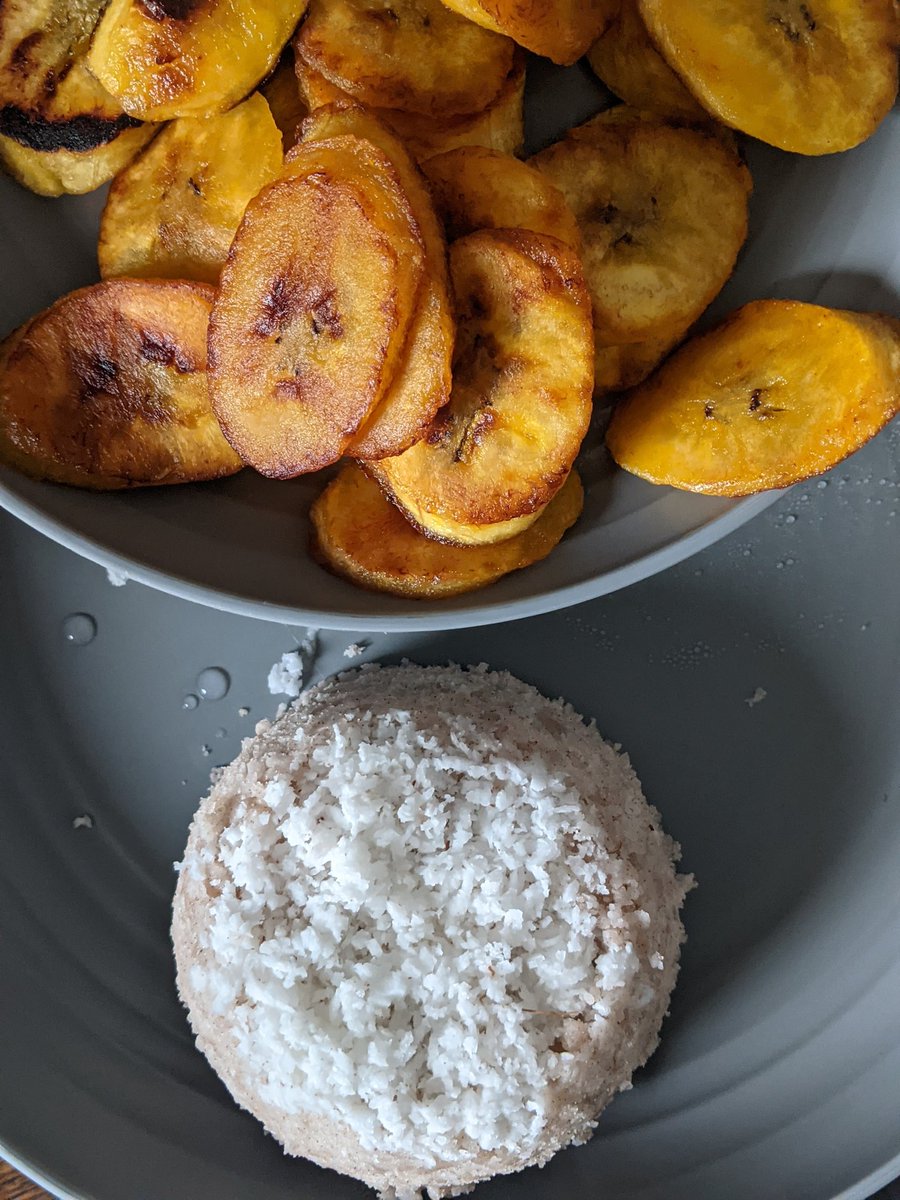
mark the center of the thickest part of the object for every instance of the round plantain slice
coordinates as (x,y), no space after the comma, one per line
(422,383)
(107,389)
(476,188)
(627,61)
(500,126)
(561,30)
(314,307)
(173,212)
(521,399)
(811,76)
(412,55)
(181,58)
(778,392)
(663,214)
(361,536)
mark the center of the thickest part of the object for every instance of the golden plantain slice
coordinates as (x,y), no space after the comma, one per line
(282,93)
(476,188)
(627,61)
(60,130)
(314,307)
(778,392)
(182,58)
(107,389)
(422,383)
(412,55)
(812,76)
(663,214)
(174,211)
(521,399)
(562,30)
(501,125)
(360,535)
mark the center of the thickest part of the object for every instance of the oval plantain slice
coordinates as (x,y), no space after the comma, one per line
(181,58)
(500,126)
(627,61)
(476,188)
(282,93)
(174,211)
(561,30)
(314,307)
(60,130)
(361,536)
(521,399)
(663,214)
(108,389)
(778,392)
(811,76)
(422,383)
(412,55)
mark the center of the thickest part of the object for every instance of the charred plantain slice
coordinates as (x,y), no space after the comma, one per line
(413,55)
(812,76)
(561,30)
(314,307)
(60,130)
(500,125)
(360,535)
(521,399)
(108,389)
(174,211)
(663,215)
(282,93)
(422,383)
(180,58)
(778,392)
(476,188)
(627,61)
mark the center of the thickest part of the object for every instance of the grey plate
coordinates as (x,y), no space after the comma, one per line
(822,230)
(779,1073)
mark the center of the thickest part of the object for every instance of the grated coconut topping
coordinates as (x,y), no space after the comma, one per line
(416,879)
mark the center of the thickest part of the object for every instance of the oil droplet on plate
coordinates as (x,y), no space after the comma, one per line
(213,683)
(79,628)
(190,701)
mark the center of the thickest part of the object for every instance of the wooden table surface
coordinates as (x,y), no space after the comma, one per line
(14,1187)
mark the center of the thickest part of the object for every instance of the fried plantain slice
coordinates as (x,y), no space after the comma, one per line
(422,383)
(314,307)
(282,93)
(617,368)
(778,392)
(107,389)
(500,126)
(476,188)
(811,76)
(60,130)
(627,61)
(663,215)
(186,58)
(561,30)
(521,399)
(358,534)
(173,212)
(412,55)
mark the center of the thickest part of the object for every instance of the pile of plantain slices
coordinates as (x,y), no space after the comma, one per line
(319,249)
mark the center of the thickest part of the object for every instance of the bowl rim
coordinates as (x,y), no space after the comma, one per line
(484,612)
